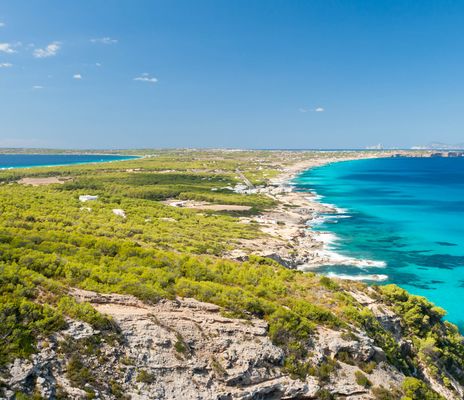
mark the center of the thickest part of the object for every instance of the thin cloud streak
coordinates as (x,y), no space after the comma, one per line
(104,40)
(317,109)
(146,77)
(49,51)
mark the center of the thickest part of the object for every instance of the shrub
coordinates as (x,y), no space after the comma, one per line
(217,367)
(381,393)
(180,345)
(21,322)
(145,377)
(328,283)
(324,370)
(415,389)
(362,380)
(85,312)
(77,373)
(368,367)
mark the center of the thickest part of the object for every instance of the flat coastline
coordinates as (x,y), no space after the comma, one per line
(289,235)
(107,158)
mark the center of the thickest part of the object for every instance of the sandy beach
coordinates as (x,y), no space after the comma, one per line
(289,238)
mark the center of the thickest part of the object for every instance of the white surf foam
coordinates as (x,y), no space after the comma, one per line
(367,277)
(328,255)
(331,257)
(320,219)
(314,197)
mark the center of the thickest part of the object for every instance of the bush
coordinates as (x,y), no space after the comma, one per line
(145,377)
(380,393)
(180,345)
(21,323)
(85,312)
(77,373)
(362,380)
(414,389)
(328,283)
(324,370)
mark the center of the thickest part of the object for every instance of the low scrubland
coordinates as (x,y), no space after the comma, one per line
(51,242)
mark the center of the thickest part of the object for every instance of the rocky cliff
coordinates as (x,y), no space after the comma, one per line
(186,349)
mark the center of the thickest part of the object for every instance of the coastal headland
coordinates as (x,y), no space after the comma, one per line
(177,275)
(289,238)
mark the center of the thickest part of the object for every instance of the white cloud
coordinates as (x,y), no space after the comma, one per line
(104,40)
(77,76)
(145,77)
(7,48)
(2,24)
(6,65)
(98,65)
(37,87)
(48,51)
(305,110)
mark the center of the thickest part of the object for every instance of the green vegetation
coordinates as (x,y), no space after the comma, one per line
(439,345)
(324,370)
(22,320)
(362,380)
(84,312)
(414,389)
(381,393)
(145,376)
(23,396)
(180,345)
(50,242)
(77,373)
(218,368)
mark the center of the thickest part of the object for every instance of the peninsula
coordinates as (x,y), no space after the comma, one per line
(179,275)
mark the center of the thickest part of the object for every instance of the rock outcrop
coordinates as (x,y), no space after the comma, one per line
(186,349)
(181,349)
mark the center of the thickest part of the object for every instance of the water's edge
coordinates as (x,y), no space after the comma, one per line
(392,230)
(97,160)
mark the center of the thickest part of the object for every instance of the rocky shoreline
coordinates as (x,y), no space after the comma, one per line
(185,349)
(353,341)
(289,239)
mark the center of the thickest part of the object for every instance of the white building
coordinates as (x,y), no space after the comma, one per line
(87,197)
(118,211)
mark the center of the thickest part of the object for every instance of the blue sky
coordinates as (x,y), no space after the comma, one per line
(237,73)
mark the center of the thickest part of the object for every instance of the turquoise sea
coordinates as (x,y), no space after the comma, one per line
(8,161)
(405,213)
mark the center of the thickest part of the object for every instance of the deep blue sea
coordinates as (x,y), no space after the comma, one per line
(35,160)
(405,212)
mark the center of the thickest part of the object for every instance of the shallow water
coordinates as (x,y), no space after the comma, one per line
(8,161)
(405,212)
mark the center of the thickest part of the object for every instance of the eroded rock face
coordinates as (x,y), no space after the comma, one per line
(180,349)
(43,372)
(186,349)
(189,348)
